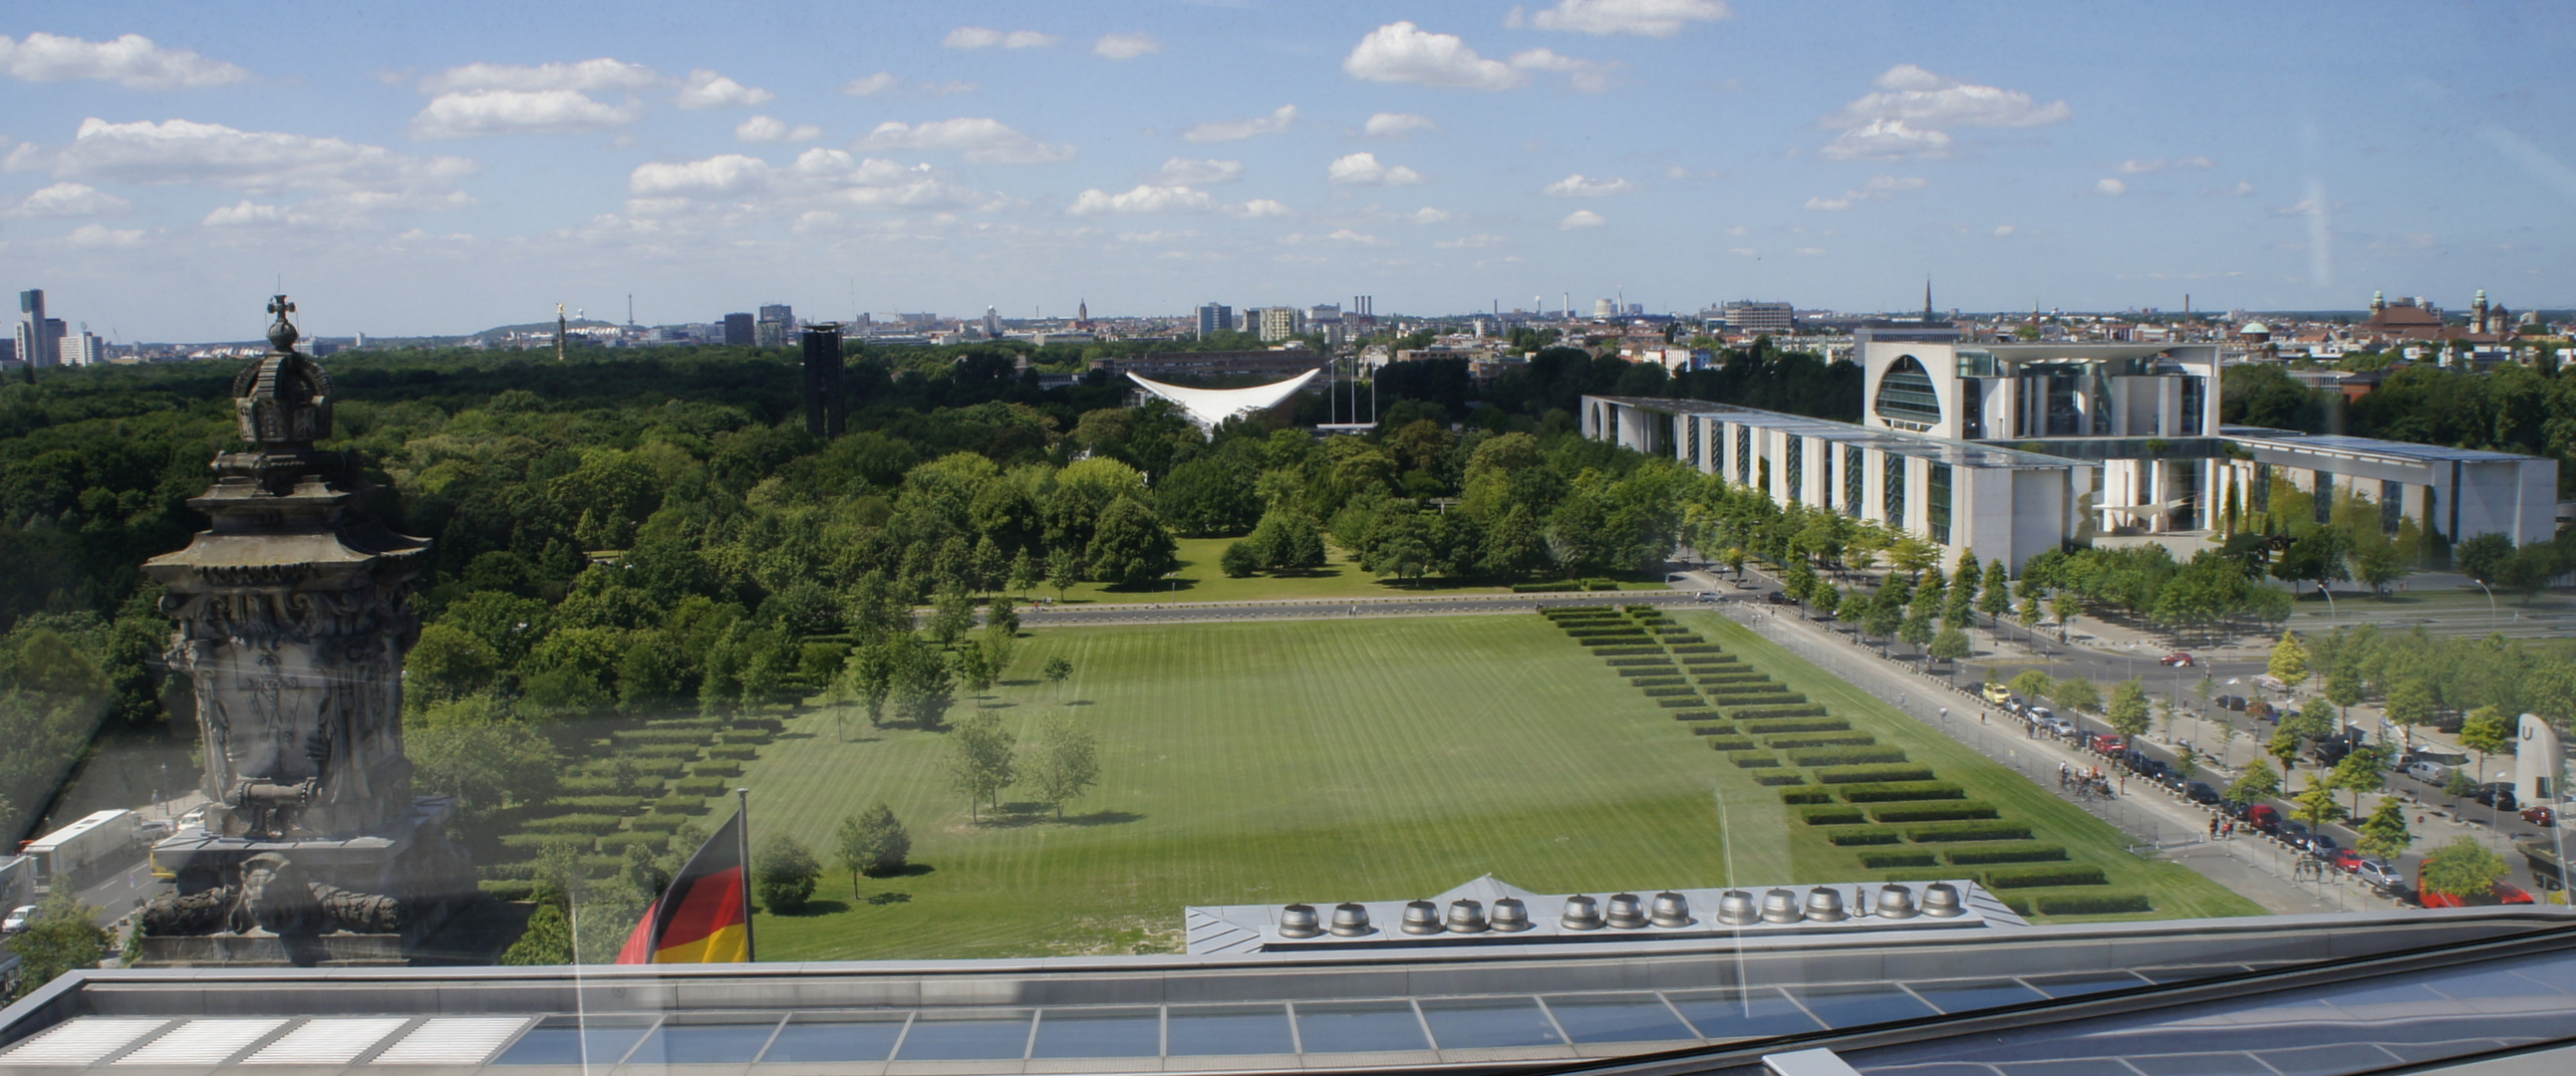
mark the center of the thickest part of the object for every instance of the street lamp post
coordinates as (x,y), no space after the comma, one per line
(2491,602)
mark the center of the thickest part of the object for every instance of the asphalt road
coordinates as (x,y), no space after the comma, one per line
(118,895)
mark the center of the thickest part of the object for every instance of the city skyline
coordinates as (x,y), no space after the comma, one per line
(425,175)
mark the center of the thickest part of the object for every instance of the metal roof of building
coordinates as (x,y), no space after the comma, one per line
(2345,444)
(1892,442)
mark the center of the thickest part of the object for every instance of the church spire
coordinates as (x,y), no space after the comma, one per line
(1927,300)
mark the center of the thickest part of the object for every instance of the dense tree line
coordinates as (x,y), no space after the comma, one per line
(2512,408)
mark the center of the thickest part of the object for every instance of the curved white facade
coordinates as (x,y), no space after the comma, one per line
(1208,407)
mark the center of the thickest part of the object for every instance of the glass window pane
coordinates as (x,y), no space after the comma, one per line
(832,1041)
(1742,1014)
(703,1044)
(1228,1029)
(1958,995)
(2082,982)
(974,1038)
(1469,1023)
(1855,1006)
(572,1044)
(1617,1018)
(1358,1027)
(1099,1033)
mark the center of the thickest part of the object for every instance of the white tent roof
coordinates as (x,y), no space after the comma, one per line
(1207,407)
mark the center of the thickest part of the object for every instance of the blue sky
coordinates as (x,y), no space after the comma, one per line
(418,168)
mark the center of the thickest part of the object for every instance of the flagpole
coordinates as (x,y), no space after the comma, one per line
(742,838)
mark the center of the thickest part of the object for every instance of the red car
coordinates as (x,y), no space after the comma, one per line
(2345,860)
(2540,816)
(2110,744)
(2177,658)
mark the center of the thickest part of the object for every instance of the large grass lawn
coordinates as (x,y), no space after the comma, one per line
(1200,580)
(1322,761)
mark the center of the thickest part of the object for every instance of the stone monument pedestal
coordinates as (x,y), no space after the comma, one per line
(252,902)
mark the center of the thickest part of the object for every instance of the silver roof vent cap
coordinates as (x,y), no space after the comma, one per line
(1421,917)
(1510,915)
(1735,908)
(1581,913)
(1298,921)
(1671,910)
(1351,921)
(1941,901)
(1466,916)
(1626,911)
(1825,906)
(1780,906)
(1894,902)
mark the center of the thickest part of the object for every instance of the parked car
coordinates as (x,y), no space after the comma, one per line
(2345,860)
(2231,702)
(2261,710)
(156,829)
(2200,792)
(2263,817)
(2110,743)
(2496,794)
(1779,597)
(2379,874)
(2292,832)
(19,919)
(2429,771)
(2540,816)
(2176,658)
(2500,893)
(2321,845)
(1998,694)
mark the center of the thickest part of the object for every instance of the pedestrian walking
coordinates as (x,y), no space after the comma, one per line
(2213,827)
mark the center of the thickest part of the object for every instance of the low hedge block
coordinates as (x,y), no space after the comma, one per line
(1684,692)
(1626,651)
(739,752)
(603,804)
(2005,853)
(1917,874)
(1782,713)
(702,724)
(643,751)
(2091,904)
(1987,830)
(1864,835)
(1545,588)
(1879,861)
(1695,715)
(764,724)
(742,736)
(698,786)
(658,822)
(1823,739)
(587,824)
(1806,794)
(1901,791)
(1695,648)
(1755,695)
(1600,584)
(606,785)
(1651,663)
(2047,875)
(1775,780)
(512,890)
(664,736)
(1709,656)
(1624,638)
(1934,811)
(1713,728)
(1686,703)
(1831,815)
(1735,676)
(679,805)
(1757,762)
(1657,681)
(534,841)
(1853,775)
(718,769)
(1847,756)
(1733,745)
(1760,727)
(618,843)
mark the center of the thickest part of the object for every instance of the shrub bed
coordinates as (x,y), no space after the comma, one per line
(1934,811)
(602,804)
(679,805)
(658,822)
(1635,680)
(1779,713)
(1830,815)
(1690,703)
(654,735)
(1760,727)
(2048,875)
(1546,588)
(1823,739)
(1806,794)
(2091,904)
(2006,853)
(718,769)
(740,752)
(1733,745)
(738,736)
(1695,648)
(700,787)
(1987,830)
(1757,762)
(1901,791)
(1853,775)
(1683,692)
(1627,651)
(1860,835)
(591,824)
(1879,861)
(660,750)
(1847,756)
(1775,780)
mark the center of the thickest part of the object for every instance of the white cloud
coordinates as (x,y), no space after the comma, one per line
(2238,189)
(1343,236)
(977,37)
(1646,18)
(70,200)
(104,237)
(341,178)
(1808,252)
(1471,242)
(1367,170)
(723,175)
(986,141)
(1585,75)
(1580,186)
(2110,186)
(707,89)
(1906,116)
(2159,164)
(588,75)
(1145,198)
(1279,119)
(1403,52)
(1125,46)
(132,60)
(249,214)
(2004,229)
(1185,172)
(494,112)
(1396,125)
(772,129)
(1428,215)
(818,181)
(1581,218)
(1744,252)
(876,83)
(1259,207)
(1877,187)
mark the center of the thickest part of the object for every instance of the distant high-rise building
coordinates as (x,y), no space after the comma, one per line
(39,337)
(740,331)
(1761,317)
(992,324)
(826,412)
(1215,318)
(83,348)
(1082,314)
(1279,323)
(777,321)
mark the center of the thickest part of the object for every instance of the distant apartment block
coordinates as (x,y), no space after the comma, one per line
(1753,317)
(1215,318)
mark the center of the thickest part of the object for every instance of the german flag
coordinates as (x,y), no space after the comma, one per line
(705,915)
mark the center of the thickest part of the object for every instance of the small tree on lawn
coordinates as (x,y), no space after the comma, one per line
(1024,575)
(952,615)
(1064,569)
(1056,670)
(2128,712)
(974,669)
(922,686)
(2463,868)
(979,760)
(867,675)
(1067,760)
(1000,645)
(2258,781)
(784,874)
(872,843)
(2384,835)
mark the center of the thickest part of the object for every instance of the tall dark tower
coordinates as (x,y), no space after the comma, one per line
(1927,300)
(826,408)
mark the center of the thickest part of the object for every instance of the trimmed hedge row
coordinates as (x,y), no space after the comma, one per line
(1558,587)
(1735,676)
(618,843)
(1729,744)
(1775,780)
(2049,875)
(740,752)
(679,805)
(2005,853)
(512,890)
(1830,815)
(1806,794)
(663,736)
(1635,639)
(1823,739)
(1622,663)
(1847,756)
(527,841)
(2092,904)
(1682,692)
(1651,680)
(1934,811)
(1698,658)
(602,804)
(658,822)
(591,824)
(1902,791)
(1986,830)
(1761,727)
(1713,728)
(717,769)
(607,785)
(659,751)
(1853,775)
(1864,835)
(1689,703)
(1777,713)
(762,724)
(1879,861)
(665,768)
(1755,695)
(1626,651)
(1695,648)
(1758,762)
(1695,715)
(700,787)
